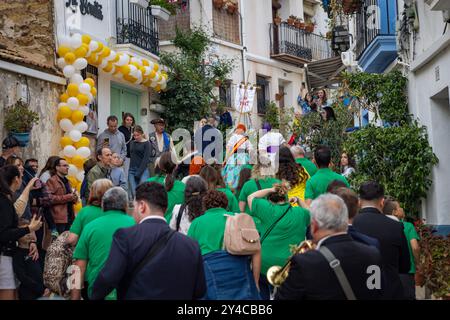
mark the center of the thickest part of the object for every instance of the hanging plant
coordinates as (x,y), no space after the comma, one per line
(218,4)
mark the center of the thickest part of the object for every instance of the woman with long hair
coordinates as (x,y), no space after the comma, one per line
(184,214)
(293,173)
(92,211)
(347,165)
(128,124)
(140,152)
(244,176)
(214,181)
(49,169)
(10,233)
(283,226)
(175,189)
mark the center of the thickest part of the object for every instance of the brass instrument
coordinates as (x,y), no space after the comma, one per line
(276,275)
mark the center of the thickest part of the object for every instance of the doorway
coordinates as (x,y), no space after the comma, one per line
(123,100)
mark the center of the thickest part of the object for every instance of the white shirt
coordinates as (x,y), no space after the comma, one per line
(184,223)
(235,139)
(271,139)
(152,217)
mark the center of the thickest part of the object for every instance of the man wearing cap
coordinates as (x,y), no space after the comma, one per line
(160,142)
(10,147)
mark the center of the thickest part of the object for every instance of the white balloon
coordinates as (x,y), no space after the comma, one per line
(65,41)
(61,62)
(84,88)
(111,56)
(73,103)
(124,59)
(69,71)
(90,97)
(84,152)
(85,110)
(164,86)
(103,64)
(80,175)
(137,60)
(147,71)
(80,64)
(66,125)
(151,65)
(93,45)
(133,70)
(76,41)
(73,170)
(112,70)
(81,126)
(77,79)
(70,151)
(62,104)
(75,135)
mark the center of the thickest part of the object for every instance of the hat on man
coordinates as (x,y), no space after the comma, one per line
(9,143)
(158,120)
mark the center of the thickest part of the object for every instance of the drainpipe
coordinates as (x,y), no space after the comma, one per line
(244,43)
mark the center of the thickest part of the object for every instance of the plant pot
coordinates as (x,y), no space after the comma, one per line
(302,25)
(22,137)
(159,12)
(290,21)
(141,3)
(297,24)
(277,20)
(309,28)
(231,8)
(218,4)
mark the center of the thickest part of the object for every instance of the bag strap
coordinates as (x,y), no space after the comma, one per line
(258,184)
(274,224)
(180,215)
(336,266)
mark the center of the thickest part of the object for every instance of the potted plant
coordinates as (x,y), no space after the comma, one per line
(218,4)
(19,120)
(291,20)
(162,9)
(231,6)
(277,20)
(309,27)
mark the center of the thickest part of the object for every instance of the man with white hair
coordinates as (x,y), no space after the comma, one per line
(93,248)
(339,268)
(300,157)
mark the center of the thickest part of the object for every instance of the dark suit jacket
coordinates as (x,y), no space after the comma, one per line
(205,136)
(362,238)
(393,247)
(175,273)
(311,277)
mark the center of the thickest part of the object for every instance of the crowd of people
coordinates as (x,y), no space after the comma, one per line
(145,213)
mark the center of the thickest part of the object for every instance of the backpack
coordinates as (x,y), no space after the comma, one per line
(240,236)
(57,260)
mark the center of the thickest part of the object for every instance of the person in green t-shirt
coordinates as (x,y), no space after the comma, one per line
(93,247)
(300,157)
(282,226)
(318,184)
(174,188)
(392,207)
(90,212)
(244,176)
(214,181)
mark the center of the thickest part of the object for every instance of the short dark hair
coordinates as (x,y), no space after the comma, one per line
(154,194)
(322,155)
(371,190)
(336,184)
(390,204)
(350,198)
(58,161)
(214,199)
(27,162)
(112,118)
(100,152)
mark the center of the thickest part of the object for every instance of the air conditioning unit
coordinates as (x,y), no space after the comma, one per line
(348,58)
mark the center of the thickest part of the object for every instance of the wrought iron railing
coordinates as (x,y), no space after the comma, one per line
(136,25)
(293,41)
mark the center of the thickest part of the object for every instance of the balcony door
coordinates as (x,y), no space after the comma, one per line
(125,100)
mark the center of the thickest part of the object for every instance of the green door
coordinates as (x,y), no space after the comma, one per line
(125,100)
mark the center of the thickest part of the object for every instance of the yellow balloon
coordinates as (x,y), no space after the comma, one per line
(145,62)
(72,90)
(108,67)
(73,181)
(84,142)
(83,99)
(65,141)
(105,53)
(156,67)
(152,74)
(158,88)
(94,91)
(64,97)
(100,47)
(63,50)
(116,59)
(78,161)
(64,112)
(81,52)
(129,78)
(126,70)
(77,116)
(77,207)
(70,57)
(137,65)
(86,39)
(90,82)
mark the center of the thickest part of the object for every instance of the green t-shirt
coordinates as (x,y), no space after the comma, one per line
(208,230)
(251,187)
(233,205)
(95,243)
(309,166)
(174,196)
(86,215)
(318,184)
(410,233)
(290,230)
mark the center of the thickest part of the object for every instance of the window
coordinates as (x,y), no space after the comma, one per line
(180,20)
(225,94)
(226,26)
(262,94)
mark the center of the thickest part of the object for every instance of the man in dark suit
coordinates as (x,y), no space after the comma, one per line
(393,245)
(351,201)
(175,272)
(311,276)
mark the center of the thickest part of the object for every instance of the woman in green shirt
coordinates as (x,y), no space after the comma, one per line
(174,188)
(91,212)
(215,182)
(281,226)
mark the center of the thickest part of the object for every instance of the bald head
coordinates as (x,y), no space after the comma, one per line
(298,152)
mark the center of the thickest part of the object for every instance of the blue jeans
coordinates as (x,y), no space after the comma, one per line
(229,277)
(135,181)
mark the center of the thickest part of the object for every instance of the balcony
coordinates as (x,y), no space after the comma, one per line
(136,25)
(296,46)
(376,46)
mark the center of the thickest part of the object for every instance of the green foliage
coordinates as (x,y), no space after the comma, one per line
(398,157)
(191,83)
(19,118)
(272,115)
(171,7)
